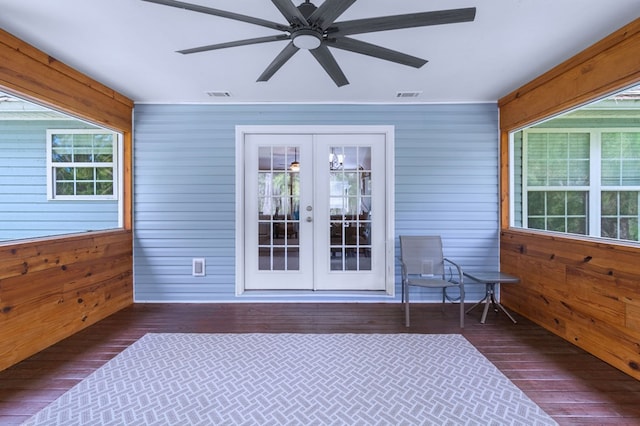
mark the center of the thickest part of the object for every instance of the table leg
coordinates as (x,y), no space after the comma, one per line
(497,305)
(486,308)
(506,312)
(479,303)
(490,299)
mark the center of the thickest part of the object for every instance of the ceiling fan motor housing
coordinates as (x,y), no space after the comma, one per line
(307,8)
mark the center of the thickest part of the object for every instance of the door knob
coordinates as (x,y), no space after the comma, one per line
(309,219)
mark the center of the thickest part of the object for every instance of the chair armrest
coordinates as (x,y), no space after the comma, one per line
(403,269)
(459,270)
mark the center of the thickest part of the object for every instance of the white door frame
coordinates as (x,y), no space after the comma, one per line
(389,133)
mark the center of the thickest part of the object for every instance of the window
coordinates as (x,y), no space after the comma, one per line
(579,172)
(81,164)
(40,162)
(580,181)
(620,167)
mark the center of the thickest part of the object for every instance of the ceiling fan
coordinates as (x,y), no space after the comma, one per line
(314,28)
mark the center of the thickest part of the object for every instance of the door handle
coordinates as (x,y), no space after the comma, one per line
(309,219)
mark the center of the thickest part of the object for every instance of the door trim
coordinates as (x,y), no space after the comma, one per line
(388,131)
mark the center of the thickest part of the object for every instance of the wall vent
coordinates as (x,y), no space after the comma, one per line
(408,94)
(219,94)
(198,268)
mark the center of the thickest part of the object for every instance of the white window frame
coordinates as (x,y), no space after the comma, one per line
(116,155)
(595,187)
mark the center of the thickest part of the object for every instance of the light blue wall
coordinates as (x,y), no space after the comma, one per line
(25,211)
(446,183)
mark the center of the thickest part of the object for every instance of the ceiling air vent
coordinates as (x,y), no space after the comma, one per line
(407,94)
(219,94)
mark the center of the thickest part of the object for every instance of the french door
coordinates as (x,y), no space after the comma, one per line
(314,211)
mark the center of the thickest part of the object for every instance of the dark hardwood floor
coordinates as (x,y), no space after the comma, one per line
(569,384)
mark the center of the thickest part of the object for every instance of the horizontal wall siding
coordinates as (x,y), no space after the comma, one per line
(446,183)
(26,212)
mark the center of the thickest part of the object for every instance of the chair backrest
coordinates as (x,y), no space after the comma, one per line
(422,254)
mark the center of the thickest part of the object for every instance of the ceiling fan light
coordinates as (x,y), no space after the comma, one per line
(306,39)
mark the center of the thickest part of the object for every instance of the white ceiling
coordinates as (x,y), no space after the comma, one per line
(130,45)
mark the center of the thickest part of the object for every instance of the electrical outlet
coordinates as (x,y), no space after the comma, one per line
(198,268)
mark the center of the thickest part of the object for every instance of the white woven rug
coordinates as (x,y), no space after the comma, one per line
(295,379)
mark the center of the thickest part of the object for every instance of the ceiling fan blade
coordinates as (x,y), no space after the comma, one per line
(329,11)
(246,42)
(222,13)
(395,22)
(290,12)
(369,49)
(278,62)
(328,62)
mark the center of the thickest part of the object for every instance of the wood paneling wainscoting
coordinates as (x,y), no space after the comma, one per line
(585,292)
(53,288)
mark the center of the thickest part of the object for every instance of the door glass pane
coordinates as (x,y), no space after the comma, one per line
(350,208)
(278,204)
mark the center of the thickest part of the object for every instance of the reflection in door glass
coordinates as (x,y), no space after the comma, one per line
(350,208)
(278,205)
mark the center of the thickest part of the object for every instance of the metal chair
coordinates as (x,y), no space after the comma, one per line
(424,265)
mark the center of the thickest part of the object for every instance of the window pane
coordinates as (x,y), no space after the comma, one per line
(536,223)
(64,173)
(536,173)
(64,188)
(609,201)
(83,156)
(103,156)
(610,172)
(621,158)
(609,227)
(577,203)
(578,172)
(629,228)
(556,203)
(85,173)
(61,155)
(104,140)
(85,188)
(558,145)
(630,144)
(577,225)
(631,172)
(579,146)
(104,173)
(628,203)
(556,224)
(610,145)
(535,203)
(558,172)
(82,141)
(537,147)
(104,188)
(61,140)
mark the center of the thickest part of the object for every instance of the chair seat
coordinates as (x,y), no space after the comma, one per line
(431,282)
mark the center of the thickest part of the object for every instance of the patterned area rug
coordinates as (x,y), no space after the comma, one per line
(295,379)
